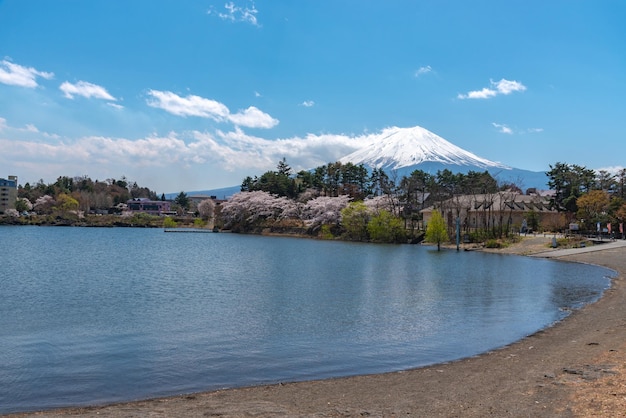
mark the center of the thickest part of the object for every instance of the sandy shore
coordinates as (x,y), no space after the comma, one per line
(576,368)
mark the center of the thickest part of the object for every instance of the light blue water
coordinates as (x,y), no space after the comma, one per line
(91,316)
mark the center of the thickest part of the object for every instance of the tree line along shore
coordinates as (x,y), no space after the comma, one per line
(341,201)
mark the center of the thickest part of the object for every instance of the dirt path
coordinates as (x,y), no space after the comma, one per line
(575,368)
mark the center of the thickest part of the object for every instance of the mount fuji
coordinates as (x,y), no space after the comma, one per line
(404,150)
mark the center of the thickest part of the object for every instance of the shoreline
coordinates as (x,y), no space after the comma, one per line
(574,368)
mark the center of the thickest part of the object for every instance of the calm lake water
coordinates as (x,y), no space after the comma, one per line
(91,315)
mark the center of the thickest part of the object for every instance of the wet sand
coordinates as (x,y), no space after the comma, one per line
(575,368)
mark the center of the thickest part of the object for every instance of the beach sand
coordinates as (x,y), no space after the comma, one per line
(576,368)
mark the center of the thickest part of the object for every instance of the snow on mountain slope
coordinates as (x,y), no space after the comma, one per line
(395,148)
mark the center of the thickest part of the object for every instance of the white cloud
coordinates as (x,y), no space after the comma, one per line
(253,118)
(188,106)
(234,154)
(503,129)
(485,93)
(192,105)
(308,103)
(234,13)
(116,106)
(257,94)
(423,70)
(3,124)
(94,151)
(508,87)
(615,170)
(85,89)
(496,87)
(31,128)
(236,149)
(16,75)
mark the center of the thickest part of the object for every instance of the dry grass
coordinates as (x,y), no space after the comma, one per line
(604,396)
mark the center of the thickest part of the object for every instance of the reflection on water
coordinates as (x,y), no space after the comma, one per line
(102,315)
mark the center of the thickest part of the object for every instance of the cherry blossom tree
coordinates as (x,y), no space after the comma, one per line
(324,210)
(206,208)
(286,208)
(246,208)
(380,203)
(308,194)
(44,204)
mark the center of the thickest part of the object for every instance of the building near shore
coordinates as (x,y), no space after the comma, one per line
(8,193)
(153,207)
(496,210)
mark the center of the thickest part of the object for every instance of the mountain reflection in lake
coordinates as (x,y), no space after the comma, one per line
(102,315)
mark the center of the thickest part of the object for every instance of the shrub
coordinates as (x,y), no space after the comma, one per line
(354,219)
(326,232)
(385,227)
(169,223)
(493,243)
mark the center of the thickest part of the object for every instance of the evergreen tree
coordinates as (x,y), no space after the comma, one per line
(569,182)
(182,200)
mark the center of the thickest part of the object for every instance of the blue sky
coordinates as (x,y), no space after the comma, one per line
(192,95)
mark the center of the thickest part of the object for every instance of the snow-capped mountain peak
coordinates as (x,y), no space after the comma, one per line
(396,148)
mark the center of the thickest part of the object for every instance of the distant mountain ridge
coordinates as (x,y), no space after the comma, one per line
(222,193)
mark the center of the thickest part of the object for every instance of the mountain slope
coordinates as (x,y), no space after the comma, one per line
(403,147)
(404,150)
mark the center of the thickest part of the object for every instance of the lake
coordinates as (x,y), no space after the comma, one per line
(98,315)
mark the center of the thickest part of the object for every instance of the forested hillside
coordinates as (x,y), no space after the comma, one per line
(79,193)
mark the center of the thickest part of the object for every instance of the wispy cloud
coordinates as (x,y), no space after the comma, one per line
(308,103)
(187,106)
(503,129)
(423,70)
(85,89)
(17,75)
(193,105)
(503,86)
(31,128)
(235,13)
